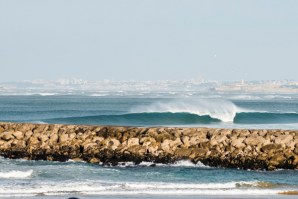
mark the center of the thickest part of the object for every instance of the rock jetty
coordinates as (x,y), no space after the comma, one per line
(233,148)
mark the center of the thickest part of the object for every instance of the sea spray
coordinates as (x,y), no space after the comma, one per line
(220,109)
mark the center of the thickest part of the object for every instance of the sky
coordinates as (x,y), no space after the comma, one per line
(149,39)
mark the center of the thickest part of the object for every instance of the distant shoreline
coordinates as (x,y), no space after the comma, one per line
(231,148)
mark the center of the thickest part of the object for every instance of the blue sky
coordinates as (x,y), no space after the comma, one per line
(149,40)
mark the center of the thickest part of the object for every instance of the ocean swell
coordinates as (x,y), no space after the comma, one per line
(155,119)
(181,112)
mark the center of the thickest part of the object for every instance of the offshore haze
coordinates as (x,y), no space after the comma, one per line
(148,40)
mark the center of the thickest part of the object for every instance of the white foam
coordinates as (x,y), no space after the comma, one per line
(98,95)
(52,188)
(244,97)
(47,94)
(277,97)
(223,110)
(180,163)
(189,192)
(75,161)
(16,174)
(187,163)
(176,186)
(132,188)
(38,122)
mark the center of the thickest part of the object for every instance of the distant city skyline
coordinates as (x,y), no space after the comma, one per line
(216,40)
(194,80)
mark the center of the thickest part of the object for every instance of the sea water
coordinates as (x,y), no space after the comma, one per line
(20,178)
(148,110)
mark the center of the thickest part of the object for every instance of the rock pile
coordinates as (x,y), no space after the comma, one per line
(234,148)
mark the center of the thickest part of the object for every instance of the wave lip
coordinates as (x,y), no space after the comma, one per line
(215,108)
(15,174)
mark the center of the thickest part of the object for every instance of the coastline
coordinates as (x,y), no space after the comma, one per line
(230,148)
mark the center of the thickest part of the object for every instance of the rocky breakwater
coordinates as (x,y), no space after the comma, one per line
(247,149)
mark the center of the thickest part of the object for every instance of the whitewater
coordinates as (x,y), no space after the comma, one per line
(42,178)
(223,110)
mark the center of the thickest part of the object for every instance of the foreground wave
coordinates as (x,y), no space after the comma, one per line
(154,188)
(181,178)
(16,174)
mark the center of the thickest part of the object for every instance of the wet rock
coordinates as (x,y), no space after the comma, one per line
(289,193)
(198,153)
(183,152)
(94,160)
(275,161)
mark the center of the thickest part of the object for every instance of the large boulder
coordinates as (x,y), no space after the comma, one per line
(283,139)
(238,143)
(6,136)
(254,140)
(133,141)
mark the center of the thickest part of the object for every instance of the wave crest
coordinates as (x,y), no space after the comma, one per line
(215,108)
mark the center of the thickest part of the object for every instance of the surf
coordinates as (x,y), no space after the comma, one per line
(15,174)
(167,118)
(219,109)
(179,112)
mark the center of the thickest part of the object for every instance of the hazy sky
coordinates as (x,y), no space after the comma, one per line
(149,40)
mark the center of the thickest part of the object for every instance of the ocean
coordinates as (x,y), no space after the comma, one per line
(42,179)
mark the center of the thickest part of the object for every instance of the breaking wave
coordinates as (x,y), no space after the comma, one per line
(186,112)
(133,188)
(155,119)
(214,108)
(16,174)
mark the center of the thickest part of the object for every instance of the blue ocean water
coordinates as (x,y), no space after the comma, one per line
(151,111)
(20,178)
(36,178)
